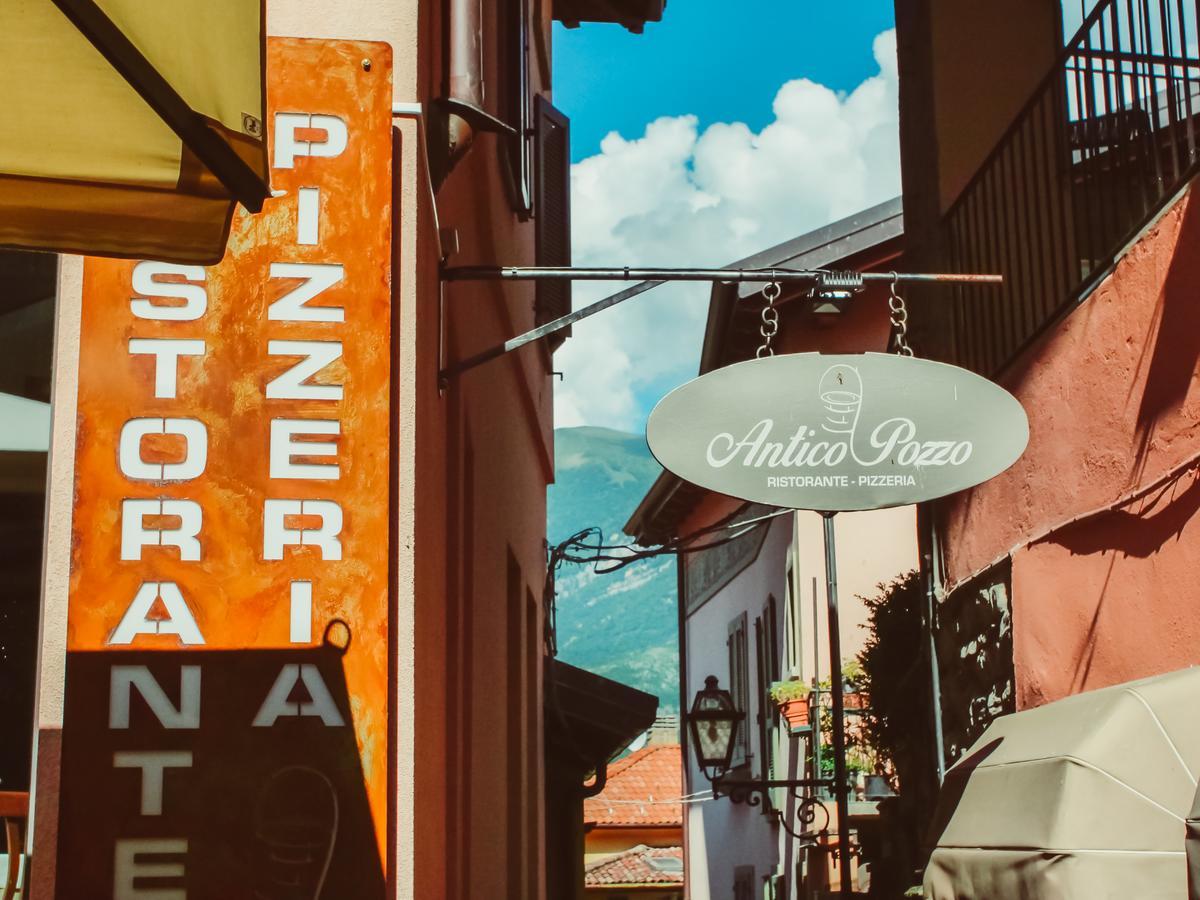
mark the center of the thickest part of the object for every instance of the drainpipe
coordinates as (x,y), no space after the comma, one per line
(681,641)
(934,587)
(681,625)
(466,73)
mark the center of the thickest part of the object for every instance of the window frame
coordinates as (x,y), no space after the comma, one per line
(738,647)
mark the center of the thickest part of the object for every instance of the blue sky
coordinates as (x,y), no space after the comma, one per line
(739,126)
(720,61)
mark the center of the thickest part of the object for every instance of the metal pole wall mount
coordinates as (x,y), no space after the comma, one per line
(649,278)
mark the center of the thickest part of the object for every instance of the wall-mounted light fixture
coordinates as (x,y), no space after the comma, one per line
(713,722)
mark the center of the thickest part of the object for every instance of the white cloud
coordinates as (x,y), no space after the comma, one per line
(676,197)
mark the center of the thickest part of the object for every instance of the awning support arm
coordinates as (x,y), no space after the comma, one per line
(242,182)
(649,278)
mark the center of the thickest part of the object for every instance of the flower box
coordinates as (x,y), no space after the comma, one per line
(795,712)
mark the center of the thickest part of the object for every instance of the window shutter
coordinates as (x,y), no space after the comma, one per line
(766,714)
(552,214)
(793,630)
(516,151)
(739,687)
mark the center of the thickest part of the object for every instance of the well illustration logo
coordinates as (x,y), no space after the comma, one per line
(893,441)
(838,432)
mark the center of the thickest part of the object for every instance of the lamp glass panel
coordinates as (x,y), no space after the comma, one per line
(714,737)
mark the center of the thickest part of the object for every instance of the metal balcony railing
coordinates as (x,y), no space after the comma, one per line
(1107,139)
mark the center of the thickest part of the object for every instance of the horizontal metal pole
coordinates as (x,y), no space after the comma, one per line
(659,277)
(760,784)
(570,273)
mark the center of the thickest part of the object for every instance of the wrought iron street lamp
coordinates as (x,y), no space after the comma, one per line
(714,722)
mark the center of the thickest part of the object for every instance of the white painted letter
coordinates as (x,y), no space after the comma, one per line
(276,536)
(277,704)
(124,678)
(152,764)
(287,148)
(317,277)
(166,353)
(126,868)
(145,282)
(300,619)
(134,536)
(283,448)
(135,621)
(291,385)
(325,537)
(308,216)
(195,458)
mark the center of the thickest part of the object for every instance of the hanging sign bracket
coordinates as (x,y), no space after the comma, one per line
(649,278)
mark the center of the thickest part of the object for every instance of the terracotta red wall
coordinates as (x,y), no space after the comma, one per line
(1100,594)
(484,454)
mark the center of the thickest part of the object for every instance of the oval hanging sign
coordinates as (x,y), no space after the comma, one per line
(831,433)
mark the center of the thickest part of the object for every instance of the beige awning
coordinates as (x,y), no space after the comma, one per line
(131,127)
(1082,799)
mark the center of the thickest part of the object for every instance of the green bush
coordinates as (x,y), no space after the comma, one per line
(899,718)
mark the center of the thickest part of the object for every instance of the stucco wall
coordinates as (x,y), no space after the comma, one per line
(724,833)
(472,464)
(482,458)
(606,841)
(873,547)
(966,69)
(1102,595)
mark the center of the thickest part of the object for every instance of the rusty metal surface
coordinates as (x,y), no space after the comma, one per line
(238,597)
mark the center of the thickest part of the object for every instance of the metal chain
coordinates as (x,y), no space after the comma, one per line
(770,319)
(899,319)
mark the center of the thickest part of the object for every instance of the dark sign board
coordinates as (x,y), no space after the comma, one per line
(213,775)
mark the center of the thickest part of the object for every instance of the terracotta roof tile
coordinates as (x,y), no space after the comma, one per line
(643,789)
(638,865)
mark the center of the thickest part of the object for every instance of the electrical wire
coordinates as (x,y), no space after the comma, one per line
(608,558)
(587,547)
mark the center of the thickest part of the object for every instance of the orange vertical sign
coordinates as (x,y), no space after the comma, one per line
(232,483)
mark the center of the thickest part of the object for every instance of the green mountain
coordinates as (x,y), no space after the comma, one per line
(622,625)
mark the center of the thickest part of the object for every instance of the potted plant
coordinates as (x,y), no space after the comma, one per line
(792,699)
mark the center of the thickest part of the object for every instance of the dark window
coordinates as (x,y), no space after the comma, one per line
(743,883)
(739,688)
(519,795)
(767,635)
(531,655)
(27,292)
(552,217)
(515,100)
(792,628)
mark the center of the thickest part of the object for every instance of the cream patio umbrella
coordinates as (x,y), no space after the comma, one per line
(1082,799)
(1193,849)
(130,127)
